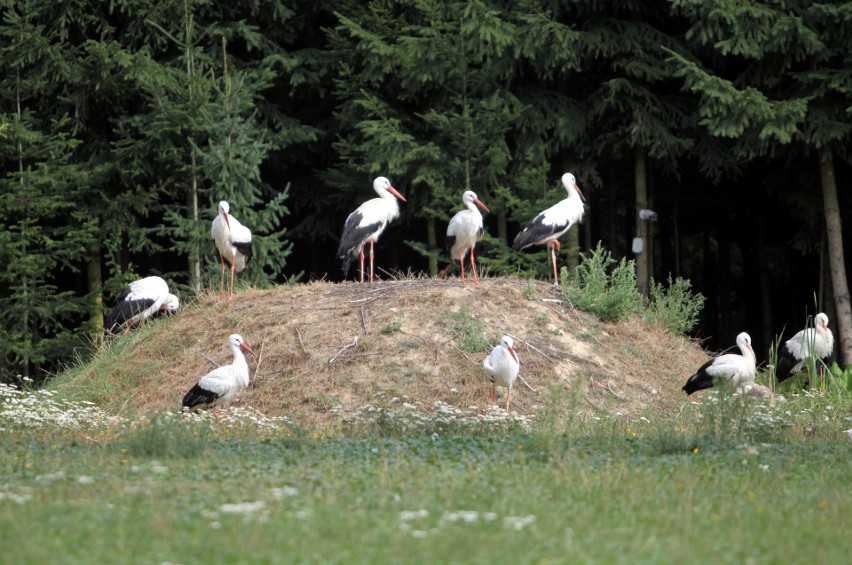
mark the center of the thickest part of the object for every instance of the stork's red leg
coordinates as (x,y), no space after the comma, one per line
(473,266)
(222,282)
(233,262)
(508,395)
(553,244)
(371,261)
(461,260)
(362,263)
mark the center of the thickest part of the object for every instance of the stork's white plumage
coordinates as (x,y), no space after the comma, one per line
(551,224)
(233,240)
(794,354)
(737,370)
(465,230)
(221,384)
(367,223)
(502,366)
(138,302)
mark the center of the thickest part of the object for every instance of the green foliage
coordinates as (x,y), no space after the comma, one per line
(469,331)
(602,286)
(392,327)
(165,436)
(674,308)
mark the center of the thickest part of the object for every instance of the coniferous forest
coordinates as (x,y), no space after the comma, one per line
(124,123)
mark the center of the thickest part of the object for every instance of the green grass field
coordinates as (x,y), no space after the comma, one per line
(724,482)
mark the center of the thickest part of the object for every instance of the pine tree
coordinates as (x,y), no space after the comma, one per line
(789,86)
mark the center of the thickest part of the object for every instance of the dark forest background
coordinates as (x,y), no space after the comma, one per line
(125,122)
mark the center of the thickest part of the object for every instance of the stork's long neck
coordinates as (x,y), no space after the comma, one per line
(748,354)
(472,207)
(239,358)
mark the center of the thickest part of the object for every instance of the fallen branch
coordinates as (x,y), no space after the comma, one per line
(302,345)
(526,384)
(209,360)
(344,348)
(259,359)
(364,320)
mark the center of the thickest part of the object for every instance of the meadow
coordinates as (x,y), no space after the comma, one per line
(726,480)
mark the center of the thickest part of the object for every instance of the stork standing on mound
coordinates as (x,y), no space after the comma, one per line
(233,240)
(736,369)
(793,356)
(551,224)
(367,223)
(138,302)
(502,366)
(221,384)
(465,230)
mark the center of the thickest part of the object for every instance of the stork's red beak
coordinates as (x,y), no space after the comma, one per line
(580,192)
(245,346)
(480,204)
(226,221)
(512,351)
(395,193)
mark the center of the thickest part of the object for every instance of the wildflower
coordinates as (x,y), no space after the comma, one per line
(518,522)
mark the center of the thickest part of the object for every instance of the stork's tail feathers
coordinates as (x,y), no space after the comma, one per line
(197,397)
(786,362)
(698,381)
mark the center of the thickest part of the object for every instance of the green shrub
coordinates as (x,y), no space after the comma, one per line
(675,308)
(166,435)
(596,287)
(392,327)
(469,331)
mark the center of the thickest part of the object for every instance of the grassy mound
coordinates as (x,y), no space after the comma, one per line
(323,348)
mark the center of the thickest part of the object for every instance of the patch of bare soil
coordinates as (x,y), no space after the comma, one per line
(323,345)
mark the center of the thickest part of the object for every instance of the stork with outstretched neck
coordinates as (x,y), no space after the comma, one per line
(550,225)
(367,223)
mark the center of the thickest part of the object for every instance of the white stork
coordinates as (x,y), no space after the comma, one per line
(221,384)
(367,223)
(464,230)
(138,302)
(551,224)
(233,240)
(793,356)
(735,369)
(502,366)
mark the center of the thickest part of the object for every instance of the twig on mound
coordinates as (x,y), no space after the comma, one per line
(209,360)
(534,348)
(526,384)
(344,348)
(302,345)
(595,406)
(607,388)
(364,320)
(259,359)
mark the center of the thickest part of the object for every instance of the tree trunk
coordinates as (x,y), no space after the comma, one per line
(432,239)
(723,278)
(762,267)
(642,259)
(836,262)
(502,230)
(95,279)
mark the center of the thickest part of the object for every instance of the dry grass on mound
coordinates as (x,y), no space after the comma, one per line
(324,345)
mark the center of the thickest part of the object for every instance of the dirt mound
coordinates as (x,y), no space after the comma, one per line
(323,345)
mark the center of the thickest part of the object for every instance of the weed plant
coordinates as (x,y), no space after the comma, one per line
(392,327)
(167,436)
(602,286)
(675,308)
(470,332)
